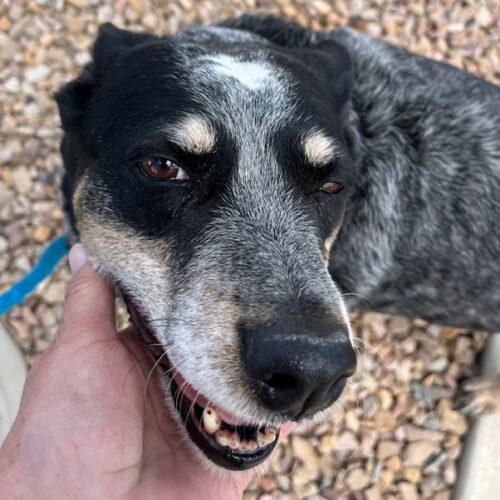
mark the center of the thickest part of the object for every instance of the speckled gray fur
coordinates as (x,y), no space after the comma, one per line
(421,234)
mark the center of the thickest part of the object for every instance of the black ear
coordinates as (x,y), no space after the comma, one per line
(276,30)
(332,66)
(111,45)
(327,59)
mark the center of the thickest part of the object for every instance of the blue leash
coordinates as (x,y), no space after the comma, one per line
(50,257)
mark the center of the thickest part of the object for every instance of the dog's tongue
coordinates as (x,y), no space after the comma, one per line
(286,429)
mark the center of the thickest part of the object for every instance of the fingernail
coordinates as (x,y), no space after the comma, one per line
(77,257)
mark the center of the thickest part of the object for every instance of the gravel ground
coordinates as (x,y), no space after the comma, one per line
(397,432)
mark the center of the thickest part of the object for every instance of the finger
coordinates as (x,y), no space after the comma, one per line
(89,307)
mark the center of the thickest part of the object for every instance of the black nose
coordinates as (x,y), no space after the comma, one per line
(298,369)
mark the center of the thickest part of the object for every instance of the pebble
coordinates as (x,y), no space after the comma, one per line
(418,452)
(386,449)
(3,244)
(451,420)
(42,233)
(385,421)
(303,449)
(414,433)
(22,180)
(408,491)
(326,443)
(412,474)
(55,292)
(357,479)
(373,493)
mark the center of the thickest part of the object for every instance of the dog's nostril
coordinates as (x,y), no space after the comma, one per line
(280,381)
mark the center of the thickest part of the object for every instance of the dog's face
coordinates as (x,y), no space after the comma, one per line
(206,174)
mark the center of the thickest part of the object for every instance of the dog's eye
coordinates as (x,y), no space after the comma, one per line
(161,169)
(332,187)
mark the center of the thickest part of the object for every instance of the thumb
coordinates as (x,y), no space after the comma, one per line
(89,307)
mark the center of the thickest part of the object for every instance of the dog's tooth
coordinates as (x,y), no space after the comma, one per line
(249,445)
(266,437)
(211,420)
(234,441)
(222,437)
(227,438)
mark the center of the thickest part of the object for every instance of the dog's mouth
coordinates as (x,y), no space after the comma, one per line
(223,439)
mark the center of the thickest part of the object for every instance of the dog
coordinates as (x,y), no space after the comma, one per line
(244,184)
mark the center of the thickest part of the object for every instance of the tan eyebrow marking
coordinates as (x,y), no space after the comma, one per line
(194,134)
(319,149)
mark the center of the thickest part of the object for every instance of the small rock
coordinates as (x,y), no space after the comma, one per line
(442,495)
(484,17)
(373,493)
(303,450)
(357,479)
(326,443)
(451,420)
(386,449)
(137,6)
(414,433)
(22,263)
(15,235)
(76,24)
(418,452)
(346,443)
(408,491)
(439,365)
(412,474)
(386,479)
(393,463)
(429,485)
(266,483)
(283,482)
(80,4)
(42,233)
(399,324)
(450,473)
(3,244)
(12,85)
(38,73)
(370,406)
(306,490)
(22,180)
(386,399)
(301,476)
(352,421)
(384,421)
(54,294)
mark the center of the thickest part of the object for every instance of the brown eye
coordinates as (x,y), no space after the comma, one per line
(161,169)
(332,187)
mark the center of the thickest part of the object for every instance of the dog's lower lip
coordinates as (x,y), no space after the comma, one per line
(223,455)
(253,444)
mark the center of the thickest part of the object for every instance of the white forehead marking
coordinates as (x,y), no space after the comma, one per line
(319,149)
(194,133)
(251,74)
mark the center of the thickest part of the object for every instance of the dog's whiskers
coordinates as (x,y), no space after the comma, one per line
(352,294)
(148,378)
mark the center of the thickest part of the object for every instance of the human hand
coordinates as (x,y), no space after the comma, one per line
(87,428)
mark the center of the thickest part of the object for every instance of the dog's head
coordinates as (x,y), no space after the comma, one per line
(206,174)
